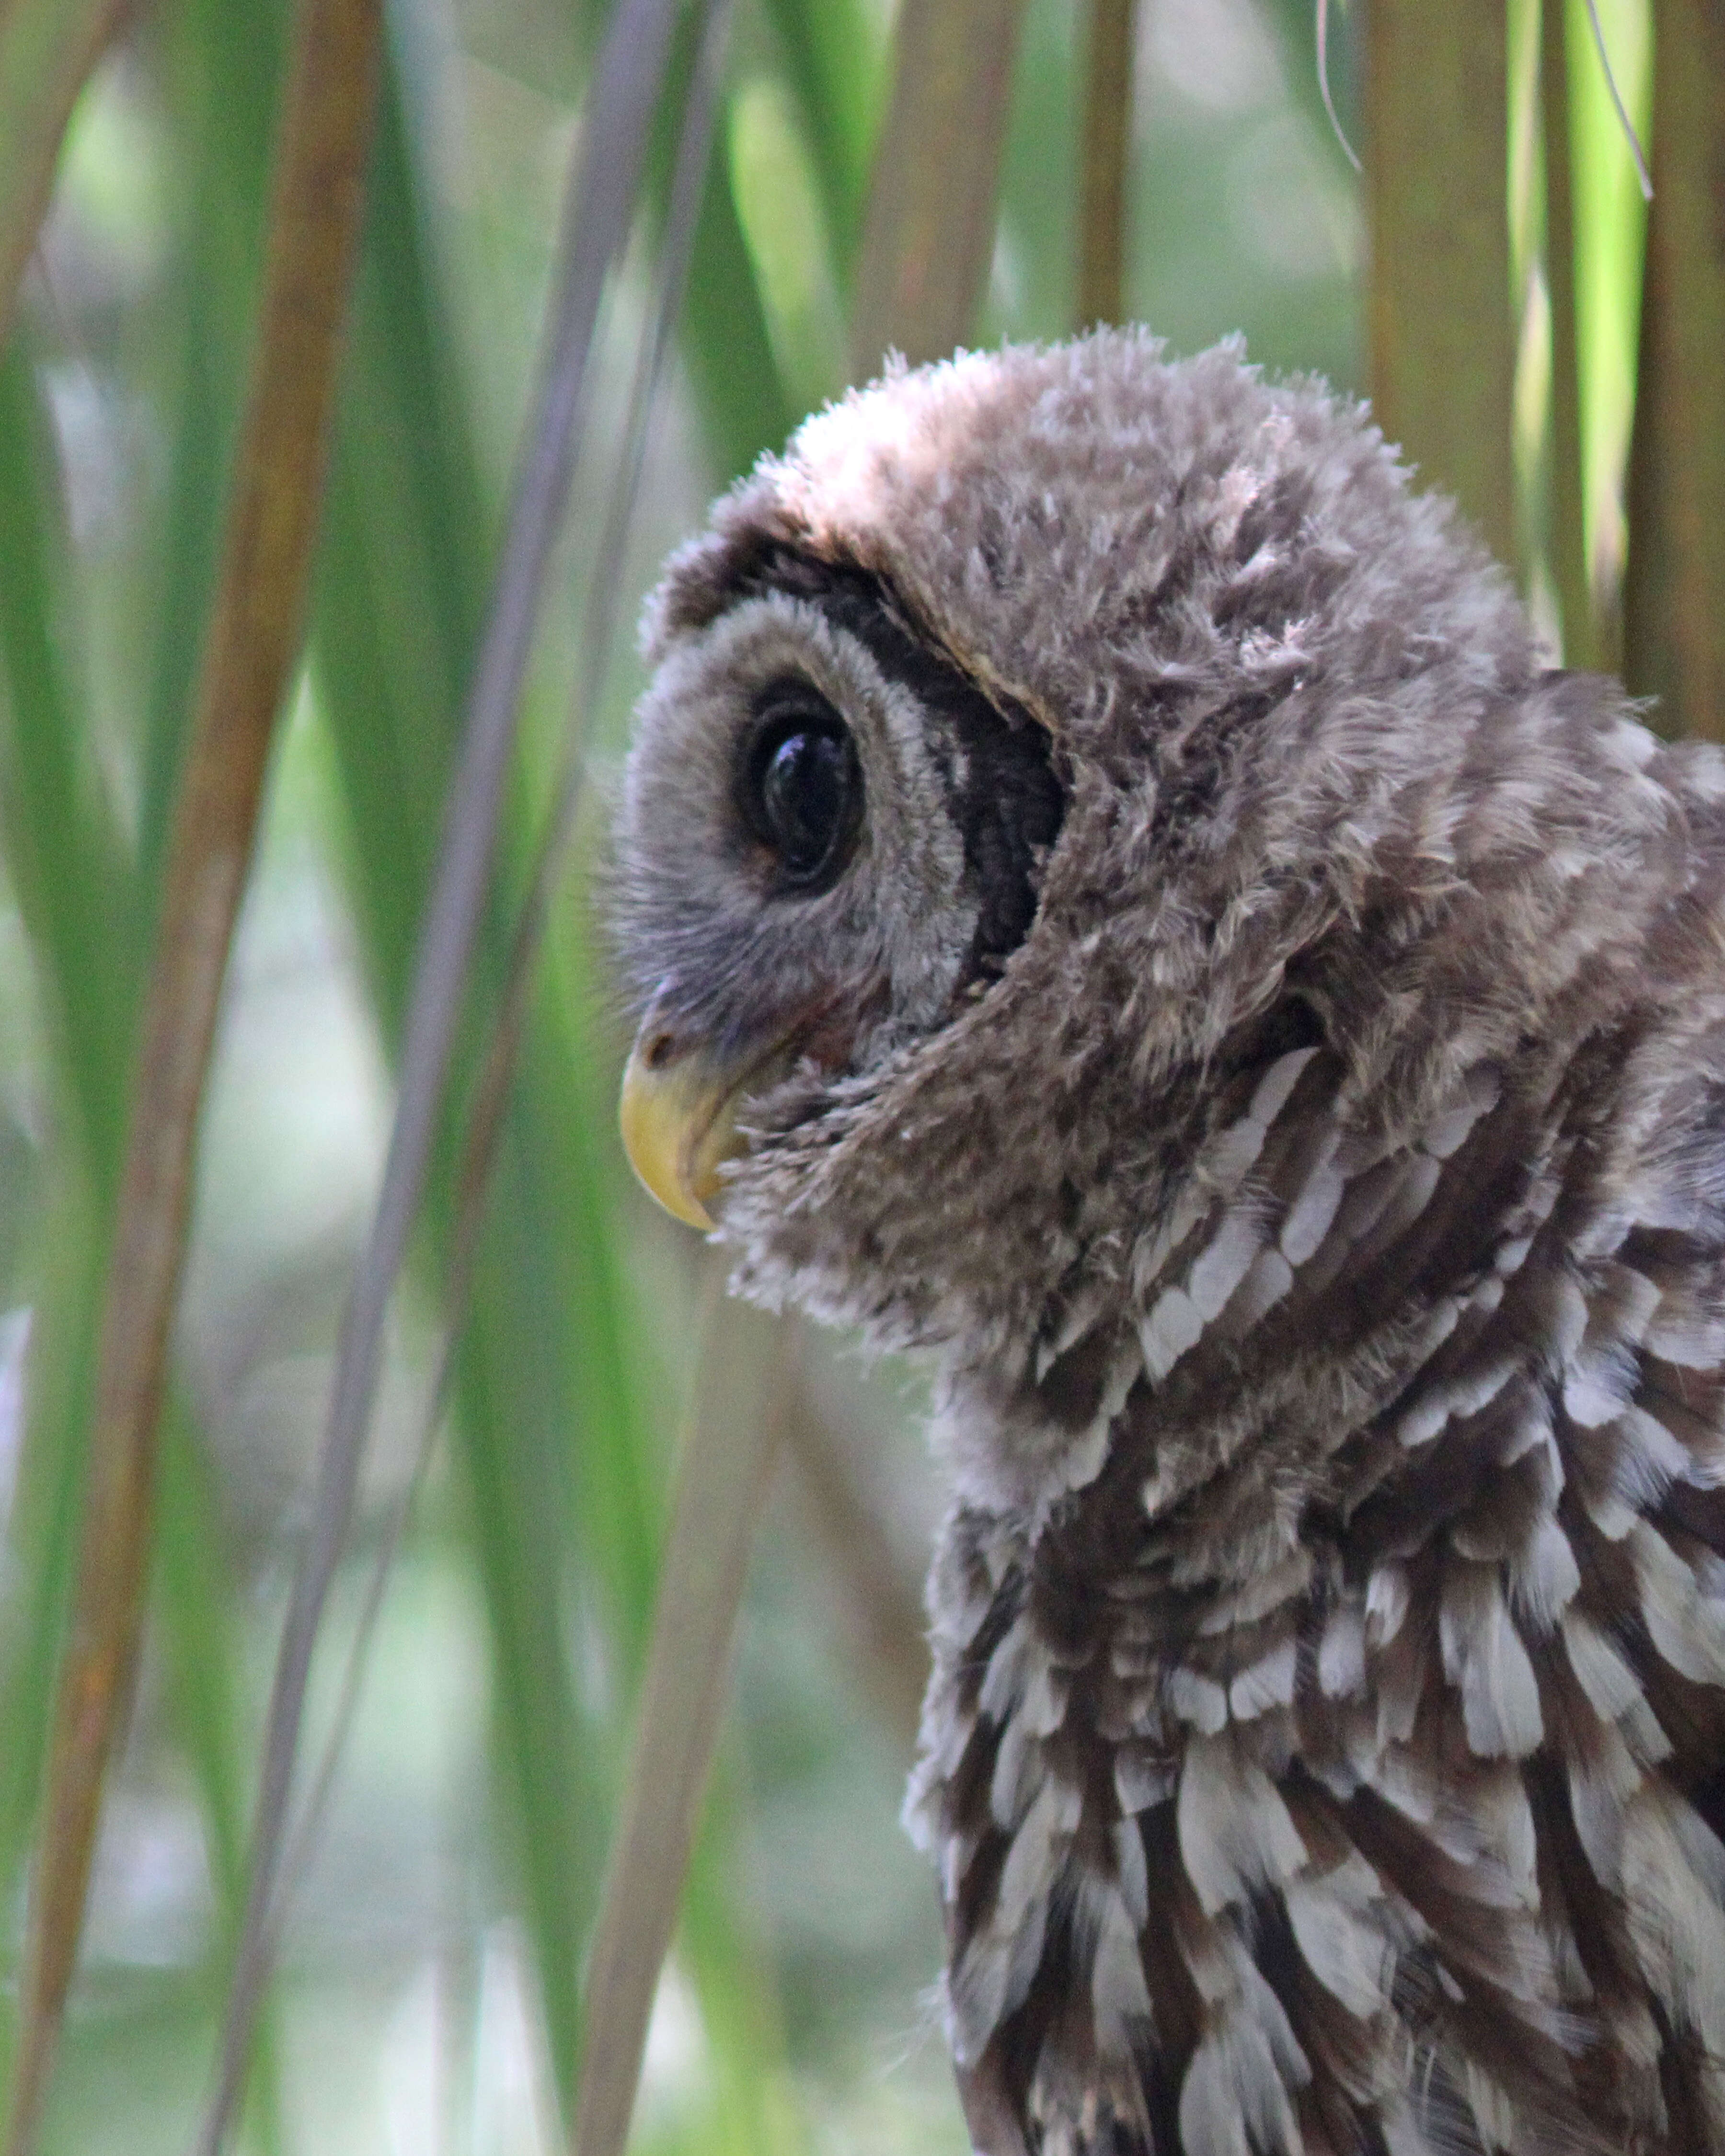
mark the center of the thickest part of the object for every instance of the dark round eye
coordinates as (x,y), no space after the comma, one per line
(801,790)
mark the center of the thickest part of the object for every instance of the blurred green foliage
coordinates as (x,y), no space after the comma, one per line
(429,1999)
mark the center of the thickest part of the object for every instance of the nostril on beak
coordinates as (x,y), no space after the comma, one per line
(659,1051)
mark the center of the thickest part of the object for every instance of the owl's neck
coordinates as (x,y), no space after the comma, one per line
(1103,1483)
(1179,1538)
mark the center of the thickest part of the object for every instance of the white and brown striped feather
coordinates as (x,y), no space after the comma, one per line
(1397,1745)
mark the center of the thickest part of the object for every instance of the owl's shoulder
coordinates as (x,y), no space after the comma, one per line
(1371,1773)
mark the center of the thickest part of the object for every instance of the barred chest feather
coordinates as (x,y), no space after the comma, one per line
(1357,1792)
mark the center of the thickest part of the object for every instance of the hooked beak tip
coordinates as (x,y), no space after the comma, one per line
(678,1119)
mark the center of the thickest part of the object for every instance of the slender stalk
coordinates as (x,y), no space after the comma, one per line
(1106,159)
(1674,595)
(1566,525)
(485,1123)
(599,207)
(929,235)
(1441,338)
(47,50)
(1322,28)
(1624,121)
(253,640)
(745,1375)
(63,845)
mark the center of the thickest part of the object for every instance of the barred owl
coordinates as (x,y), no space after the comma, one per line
(1117,907)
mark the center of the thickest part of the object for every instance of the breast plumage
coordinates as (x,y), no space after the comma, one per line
(1117,907)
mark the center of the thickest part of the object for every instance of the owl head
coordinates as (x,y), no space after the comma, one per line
(1047,739)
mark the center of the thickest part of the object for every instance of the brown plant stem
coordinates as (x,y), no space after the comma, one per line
(598,205)
(1567,514)
(1441,338)
(482,1136)
(253,640)
(744,1377)
(929,235)
(1674,594)
(1106,160)
(46,54)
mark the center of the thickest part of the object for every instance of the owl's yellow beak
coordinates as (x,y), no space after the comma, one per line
(679,1119)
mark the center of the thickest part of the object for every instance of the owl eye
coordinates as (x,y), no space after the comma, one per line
(802,785)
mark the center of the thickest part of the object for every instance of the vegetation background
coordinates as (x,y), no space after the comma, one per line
(236,583)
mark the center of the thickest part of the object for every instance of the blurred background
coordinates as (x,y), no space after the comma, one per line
(428,1999)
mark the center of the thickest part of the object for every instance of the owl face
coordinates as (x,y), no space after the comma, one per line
(833,840)
(1031,749)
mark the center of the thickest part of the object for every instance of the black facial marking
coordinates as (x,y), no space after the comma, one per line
(1002,791)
